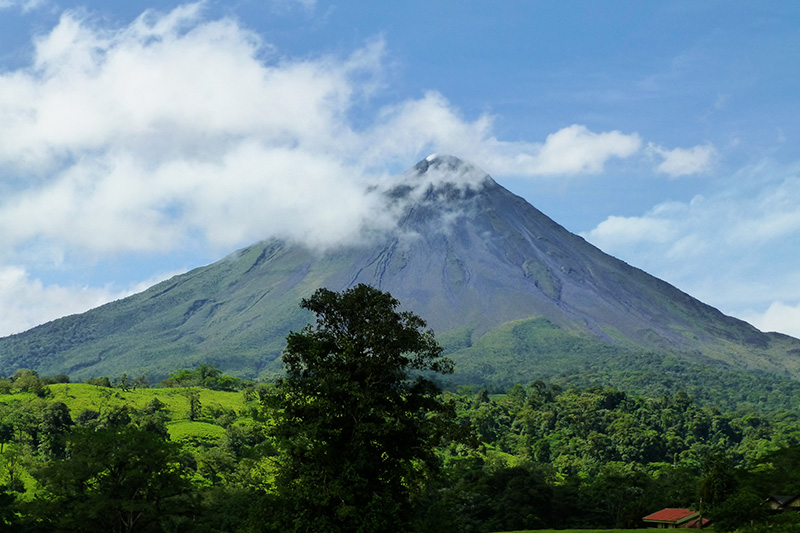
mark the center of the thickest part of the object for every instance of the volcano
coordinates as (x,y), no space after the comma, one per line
(510,294)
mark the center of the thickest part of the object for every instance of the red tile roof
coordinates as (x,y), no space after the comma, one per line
(670,515)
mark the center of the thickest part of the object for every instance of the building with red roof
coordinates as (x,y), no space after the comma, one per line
(675,519)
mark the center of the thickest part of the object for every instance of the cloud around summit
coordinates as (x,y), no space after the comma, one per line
(174,127)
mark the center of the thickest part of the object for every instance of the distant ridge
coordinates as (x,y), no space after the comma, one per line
(510,293)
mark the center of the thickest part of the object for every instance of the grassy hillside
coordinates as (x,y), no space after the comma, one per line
(525,350)
(224,314)
(202,431)
(536,349)
(80,396)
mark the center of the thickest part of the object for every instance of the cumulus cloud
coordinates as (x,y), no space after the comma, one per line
(165,87)
(575,150)
(133,139)
(137,137)
(615,231)
(428,124)
(683,161)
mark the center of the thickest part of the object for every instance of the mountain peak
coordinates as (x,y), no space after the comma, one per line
(440,178)
(513,295)
(449,169)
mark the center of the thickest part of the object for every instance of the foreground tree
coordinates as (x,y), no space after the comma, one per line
(356,422)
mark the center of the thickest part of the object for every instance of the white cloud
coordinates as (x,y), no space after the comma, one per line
(25,302)
(683,161)
(616,231)
(761,211)
(171,86)
(778,317)
(431,124)
(575,150)
(665,227)
(135,138)
(308,5)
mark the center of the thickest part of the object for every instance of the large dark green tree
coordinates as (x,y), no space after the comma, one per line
(357,423)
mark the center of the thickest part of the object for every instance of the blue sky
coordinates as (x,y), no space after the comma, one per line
(142,139)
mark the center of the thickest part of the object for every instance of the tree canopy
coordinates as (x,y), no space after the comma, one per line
(356,420)
(115,479)
(352,436)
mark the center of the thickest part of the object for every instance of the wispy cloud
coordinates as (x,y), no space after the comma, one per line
(26,301)
(23,5)
(725,235)
(308,5)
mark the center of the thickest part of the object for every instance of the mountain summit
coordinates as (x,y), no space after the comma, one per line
(493,276)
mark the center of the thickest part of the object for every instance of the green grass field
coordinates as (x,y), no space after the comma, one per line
(192,434)
(80,396)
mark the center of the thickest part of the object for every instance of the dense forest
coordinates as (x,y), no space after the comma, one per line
(81,457)
(365,441)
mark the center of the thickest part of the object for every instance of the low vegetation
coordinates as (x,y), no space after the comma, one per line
(356,437)
(536,456)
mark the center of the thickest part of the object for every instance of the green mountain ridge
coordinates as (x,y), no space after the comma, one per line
(511,295)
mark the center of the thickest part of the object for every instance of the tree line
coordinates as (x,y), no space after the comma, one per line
(357,436)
